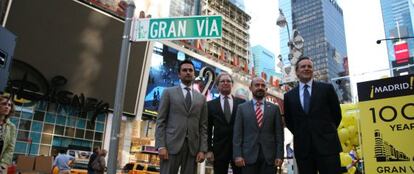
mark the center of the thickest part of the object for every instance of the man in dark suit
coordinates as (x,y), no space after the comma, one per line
(313,114)
(221,114)
(258,133)
(182,120)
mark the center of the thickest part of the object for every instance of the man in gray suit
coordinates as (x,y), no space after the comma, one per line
(181,134)
(258,133)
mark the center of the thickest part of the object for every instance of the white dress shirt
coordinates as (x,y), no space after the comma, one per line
(302,88)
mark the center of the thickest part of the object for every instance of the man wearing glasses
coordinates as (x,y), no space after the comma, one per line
(221,116)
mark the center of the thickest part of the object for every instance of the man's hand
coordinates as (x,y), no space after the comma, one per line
(200,157)
(239,161)
(163,153)
(278,162)
(210,156)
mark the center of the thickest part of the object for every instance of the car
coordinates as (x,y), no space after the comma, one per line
(140,168)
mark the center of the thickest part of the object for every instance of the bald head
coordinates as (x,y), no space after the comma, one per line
(258,88)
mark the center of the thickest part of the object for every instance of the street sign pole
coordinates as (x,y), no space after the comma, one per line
(120,90)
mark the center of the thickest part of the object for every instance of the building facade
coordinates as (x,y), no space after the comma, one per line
(398,16)
(286,7)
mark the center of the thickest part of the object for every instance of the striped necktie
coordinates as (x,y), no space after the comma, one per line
(259,114)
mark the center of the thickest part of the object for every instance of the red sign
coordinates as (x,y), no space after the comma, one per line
(401,52)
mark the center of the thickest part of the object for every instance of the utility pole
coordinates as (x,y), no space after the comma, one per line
(120,90)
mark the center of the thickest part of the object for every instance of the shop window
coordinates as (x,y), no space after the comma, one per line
(39,116)
(59,130)
(35,137)
(20,147)
(50,117)
(97,144)
(71,122)
(46,139)
(80,133)
(89,135)
(23,135)
(27,115)
(90,125)
(44,150)
(70,132)
(17,113)
(98,136)
(24,124)
(14,120)
(34,149)
(37,126)
(99,127)
(101,117)
(61,120)
(41,105)
(80,123)
(48,128)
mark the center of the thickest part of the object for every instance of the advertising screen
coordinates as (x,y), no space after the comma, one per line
(164,73)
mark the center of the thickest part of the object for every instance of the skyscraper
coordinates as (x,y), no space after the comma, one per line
(398,16)
(286,7)
(321,24)
(264,62)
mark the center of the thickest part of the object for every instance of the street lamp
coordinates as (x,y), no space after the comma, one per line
(395,38)
(295,45)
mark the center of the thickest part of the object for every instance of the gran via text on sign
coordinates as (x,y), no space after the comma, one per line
(192,27)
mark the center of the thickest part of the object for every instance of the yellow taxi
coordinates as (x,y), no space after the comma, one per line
(140,168)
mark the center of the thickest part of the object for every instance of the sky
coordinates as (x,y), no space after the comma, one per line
(363,26)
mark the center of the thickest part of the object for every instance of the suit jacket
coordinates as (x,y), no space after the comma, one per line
(221,143)
(248,136)
(175,123)
(316,131)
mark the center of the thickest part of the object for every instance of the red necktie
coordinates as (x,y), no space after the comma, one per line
(259,114)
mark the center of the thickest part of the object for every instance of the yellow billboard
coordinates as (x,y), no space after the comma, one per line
(387,124)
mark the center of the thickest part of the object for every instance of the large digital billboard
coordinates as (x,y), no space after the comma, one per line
(164,73)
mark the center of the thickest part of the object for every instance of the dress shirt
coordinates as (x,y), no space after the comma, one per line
(230,102)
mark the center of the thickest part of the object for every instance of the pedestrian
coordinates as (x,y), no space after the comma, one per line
(7,133)
(313,114)
(182,120)
(221,115)
(99,165)
(258,133)
(63,162)
(92,158)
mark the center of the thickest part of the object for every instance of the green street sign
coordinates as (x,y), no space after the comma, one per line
(180,28)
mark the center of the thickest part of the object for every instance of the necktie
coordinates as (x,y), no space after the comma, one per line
(227,112)
(306,98)
(188,98)
(259,114)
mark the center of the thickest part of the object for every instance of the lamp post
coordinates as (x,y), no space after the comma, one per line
(396,38)
(295,45)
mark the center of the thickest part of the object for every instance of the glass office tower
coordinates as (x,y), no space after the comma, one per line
(398,22)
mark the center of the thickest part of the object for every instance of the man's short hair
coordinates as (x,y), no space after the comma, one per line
(186,61)
(224,73)
(300,59)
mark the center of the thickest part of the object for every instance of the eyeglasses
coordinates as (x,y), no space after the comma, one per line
(225,81)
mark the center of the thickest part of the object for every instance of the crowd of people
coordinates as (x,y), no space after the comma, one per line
(248,135)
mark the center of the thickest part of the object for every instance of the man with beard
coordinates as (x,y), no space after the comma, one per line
(221,114)
(313,114)
(258,133)
(181,134)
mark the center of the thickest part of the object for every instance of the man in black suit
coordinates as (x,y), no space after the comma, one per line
(313,114)
(258,133)
(221,114)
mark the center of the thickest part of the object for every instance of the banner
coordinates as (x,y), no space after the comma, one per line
(387,124)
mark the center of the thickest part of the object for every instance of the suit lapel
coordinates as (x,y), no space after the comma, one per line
(233,112)
(313,95)
(181,97)
(266,109)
